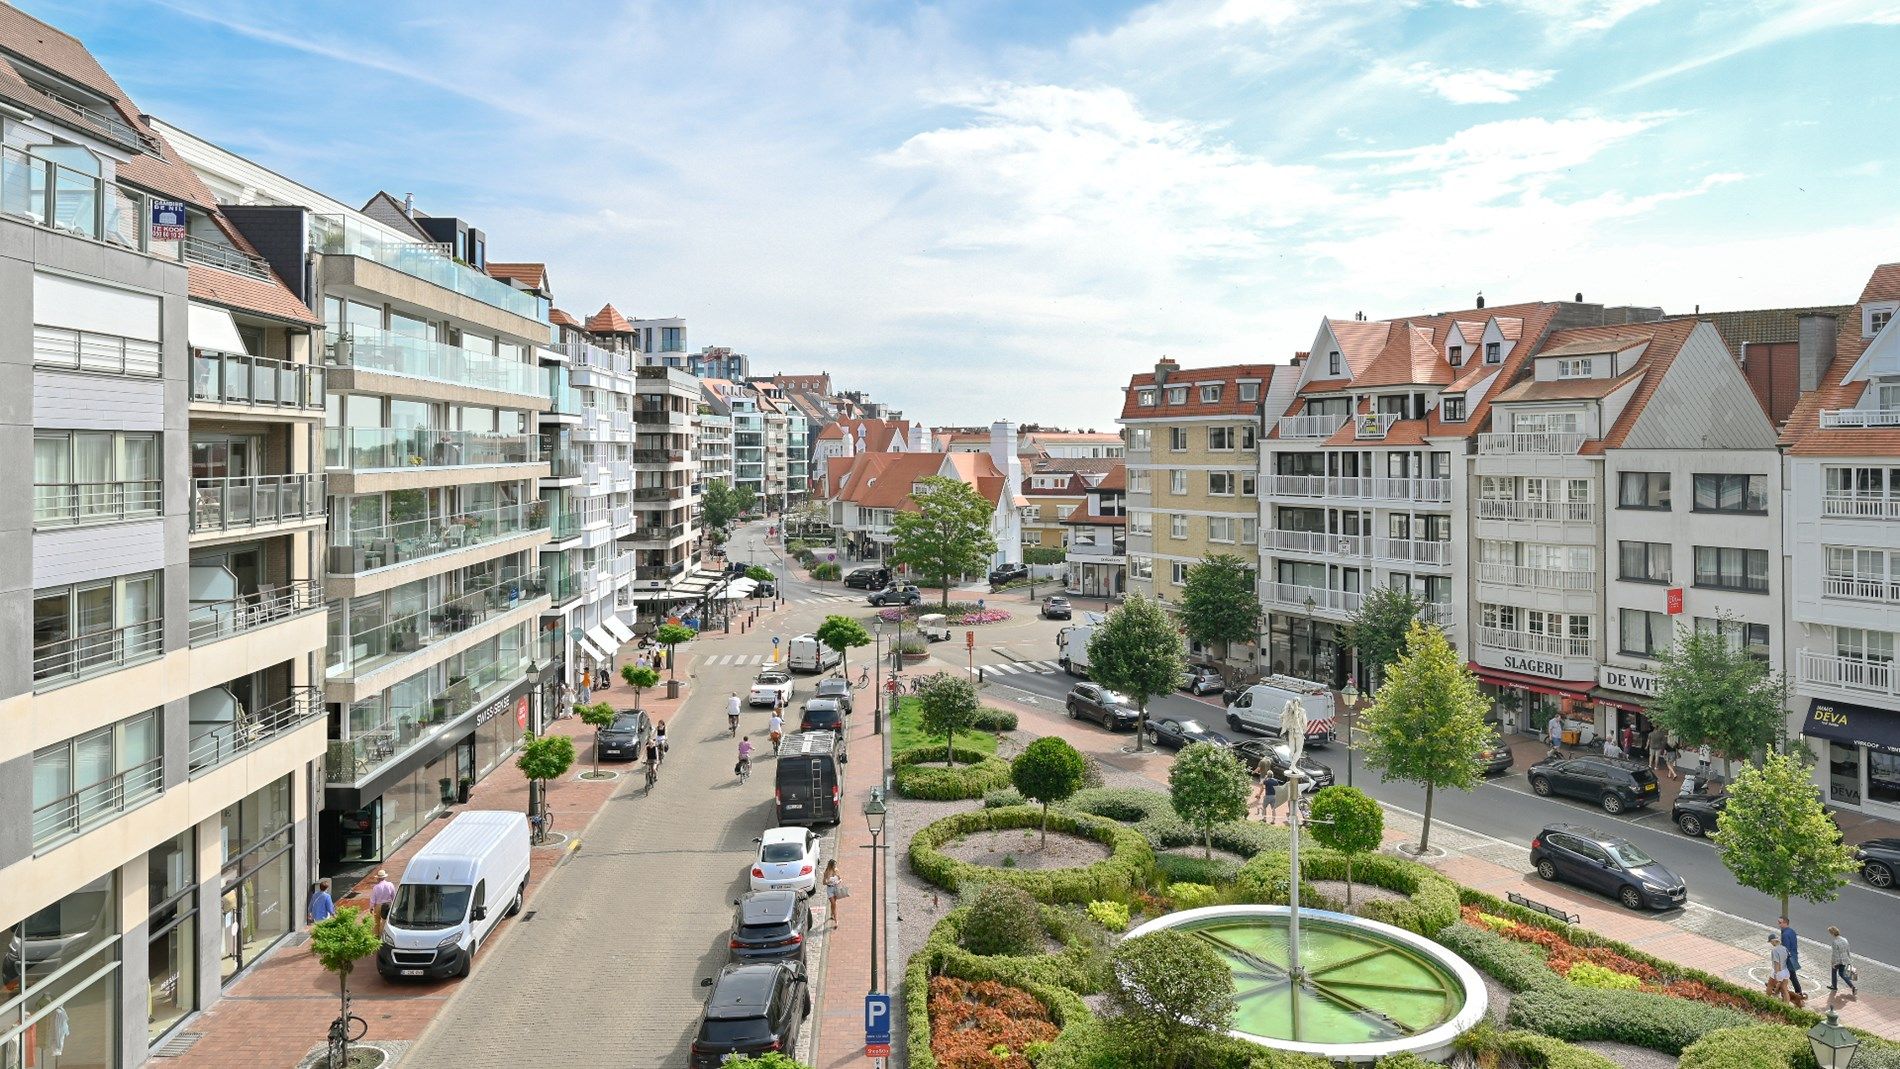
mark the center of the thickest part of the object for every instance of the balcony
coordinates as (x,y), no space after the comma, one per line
(659,493)
(1319,542)
(384,449)
(255,382)
(1860,417)
(90,806)
(559,388)
(336,235)
(1852,675)
(217,743)
(255,501)
(1361,487)
(1531,642)
(225,258)
(1860,507)
(105,354)
(657,533)
(356,653)
(662,418)
(1440,614)
(367,749)
(79,504)
(1322,426)
(215,620)
(563,463)
(1538,578)
(371,349)
(1373,425)
(658,572)
(1314,599)
(367,549)
(660,456)
(1558,511)
(1414,550)
(72,202)
(95,653)
(1885,590)
(1533,443)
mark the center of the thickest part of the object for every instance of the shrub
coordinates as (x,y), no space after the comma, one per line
(1486,1045)
(1006,796)
(826,570)
(1403,1061)
(1002,920)
(1115,877)
(994,720)
(978,1025)
(1580,1014)
(1179,868)
(1589,974)
(1495,922)
(975,774)
(1126,804)
(1048,770)
(1518,966)
(1192,895)
(1774,1046)
(1431,901)
(1110,915)
(1169,986)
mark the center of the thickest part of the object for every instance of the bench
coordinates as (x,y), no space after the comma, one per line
(1548,911)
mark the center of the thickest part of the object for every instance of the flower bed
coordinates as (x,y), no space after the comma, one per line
(983,1024)
(965,615)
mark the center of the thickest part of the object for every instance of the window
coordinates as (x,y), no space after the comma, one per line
(1732,569)
(1250,391)
(1871,647)
(1177,481)
(1210,393)
(1861,573)
(1452,410)
(1140,482)
(1248,481)
(93,627)
(1141,523)
(1730,493)
(94,777)
(1220,439)
(1493,353)
(1642,490)
(1874,318)
(1063,512)
(1332,362)
(1177,395)
(1220,483)
(1643,634)
(1145,398)
(86,326)
(1749,638)
(1220,528)
(1180,573)
(1457,356)
(1249,436)
(1177,526)
(1644,562)
(1250,530)
(1575,368)
(82,477)
(1139,437)
(1546,423)
(1177,439)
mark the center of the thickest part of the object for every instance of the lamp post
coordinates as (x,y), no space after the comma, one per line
(1350,699)
(1834,1046)
(877,679)
(874,819)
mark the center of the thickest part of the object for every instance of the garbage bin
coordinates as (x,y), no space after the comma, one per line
(672,688)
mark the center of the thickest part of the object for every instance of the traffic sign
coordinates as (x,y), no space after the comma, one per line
(774,640)
(877,1024)
(969,640)
(877,1050)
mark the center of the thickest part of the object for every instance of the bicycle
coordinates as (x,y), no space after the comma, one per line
(732,725)
(864,679)
(348,1028)
(776,738)
(745,769)
(543,824)
(653,775)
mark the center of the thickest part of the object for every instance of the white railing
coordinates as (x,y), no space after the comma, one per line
(1297,485)
(1530,642)
(1310,426)
(1319,598)
(1560,511)
(1440,613)
(1860,507)
(1845,673)
(1360,487)
(1861,417)
(1540,578)
(1341,545)
(1545,443)
(1372,424)
(1417,551)
(1857,588)
(1407,489)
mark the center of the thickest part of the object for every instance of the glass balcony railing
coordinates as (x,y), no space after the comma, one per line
(382,448)
(337,235)
(74,504)
(255,501)
(366,549)
(560,391)
(214,620)
(371,349)
(483,596)
(217,743)
(233,379)
(564,587)
(59,198)
(371,746)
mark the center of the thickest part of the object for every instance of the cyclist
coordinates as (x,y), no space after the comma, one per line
(732,714)
(777,726)
(653,758)
(659,734)
(744,767)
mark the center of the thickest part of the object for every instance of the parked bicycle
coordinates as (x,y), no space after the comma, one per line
(542,824)
(348,1028)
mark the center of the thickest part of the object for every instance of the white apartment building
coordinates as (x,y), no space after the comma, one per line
(713,441)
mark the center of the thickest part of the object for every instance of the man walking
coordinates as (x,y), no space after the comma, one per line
(1793,942)
(1841,966)
(322,907)
(380,896)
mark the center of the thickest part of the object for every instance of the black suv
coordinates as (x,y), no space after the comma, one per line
(1615,785)
(1104,706)
(625,738)
(1005,573)
(868,578)
(753,1008)
(822,714)
(1608,863)
(769,926)
(838,689)
(897,595)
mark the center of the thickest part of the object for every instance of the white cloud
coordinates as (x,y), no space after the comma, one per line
(1473,85)
(1573,18)
(1784,21)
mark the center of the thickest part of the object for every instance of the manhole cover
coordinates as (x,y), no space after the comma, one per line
(528,916)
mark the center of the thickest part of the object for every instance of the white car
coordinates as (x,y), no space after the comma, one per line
(771,685)
(788,861)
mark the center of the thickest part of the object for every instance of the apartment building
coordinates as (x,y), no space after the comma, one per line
(867,490)
(159,726)
(1842,541)
(664,342)
(1096,565)
(712,444)
(1052,497)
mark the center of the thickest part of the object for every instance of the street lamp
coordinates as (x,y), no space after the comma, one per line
(1833,1045)
(877,680)
(1350,699)
(874,819)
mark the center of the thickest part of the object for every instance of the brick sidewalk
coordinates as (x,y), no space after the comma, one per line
(840,1012)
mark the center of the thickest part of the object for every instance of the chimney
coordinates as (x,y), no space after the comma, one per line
(1481,298)
(1817,333)
(409,205)
(1163,367)
(1579,298)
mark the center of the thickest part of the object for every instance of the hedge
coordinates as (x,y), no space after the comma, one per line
(1180,868)
(1528,1049)
(1081,966)
(975,774)
(1518,966)
(1006,796)
(1115,877)
(1431,901)
(1641,1018)
(1153,815)
(941,956)
(1774,1046)
(994,720)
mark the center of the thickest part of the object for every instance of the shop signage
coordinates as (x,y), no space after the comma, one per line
(1532,666)
(1632,681)
(521,711)
(503,704)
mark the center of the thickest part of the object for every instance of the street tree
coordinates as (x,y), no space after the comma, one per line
(339,942)
(1346,820)
(1208,786)
(600,715)
(947,705)
(1426,723)
(949,533)
(1137,651)
(1221,605)
(670,636)
(1775,835)
(719,504)
(1377,631)
(759,574)
(1711,691)
(542,758)
(843,634)
(1048,770)
(641,679)
(1169,988)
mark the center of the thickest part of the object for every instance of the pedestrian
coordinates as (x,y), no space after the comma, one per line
(380,896)
(1793,942)
(1273,785)
(833,885)
(1777,967)
(1657,744)
(1703,758)
(322,906)
(1626,740)
(1672,756)
(659,731)
(1556,728)
(1258,801)
(1840,966)
(1610,748)
(1689,781)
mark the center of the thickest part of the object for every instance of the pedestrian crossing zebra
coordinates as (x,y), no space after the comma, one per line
(1021,668)
(738,658)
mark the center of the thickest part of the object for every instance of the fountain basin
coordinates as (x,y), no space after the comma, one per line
(1370,989)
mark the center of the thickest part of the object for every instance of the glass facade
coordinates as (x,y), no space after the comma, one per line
(172,958)
(258,905)
(59,1006)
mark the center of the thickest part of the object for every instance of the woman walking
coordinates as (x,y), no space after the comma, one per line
(1777,967)
(1257,801)
(1842,971)
(833,884)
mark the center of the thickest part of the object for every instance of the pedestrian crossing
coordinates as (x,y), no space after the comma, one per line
(738,658)
(1015,668)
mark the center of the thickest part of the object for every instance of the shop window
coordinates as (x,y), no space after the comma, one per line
(1883,776)
(1843,773)
(56,966)
(257,904)
(172,954)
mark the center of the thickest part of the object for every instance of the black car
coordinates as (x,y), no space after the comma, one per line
(1608,863)
(1313,775)
(753,1008)
(1202,679)
(838,689)
(1879,861)
(1613,784)
(625,738)
(1496,759)
(822,714)
(769,926)
(1697,814)
(1098,703)
(766,589)
(868,578)
(897,595)
(1175,732)
(1006,573)
(736,567)
(1057,608)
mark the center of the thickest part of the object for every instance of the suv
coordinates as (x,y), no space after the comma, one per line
(769,926)
(1004,573)
(625,737)
(868,578)
(822,714)
(1609,863)
(1615,785)
(838,689)
(1100,704)
(753,1008)
(897,595)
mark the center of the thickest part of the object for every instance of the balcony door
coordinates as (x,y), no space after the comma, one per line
(224,457)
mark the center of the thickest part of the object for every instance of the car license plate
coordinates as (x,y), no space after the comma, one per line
(1649,787)
(783,886)
(412,972)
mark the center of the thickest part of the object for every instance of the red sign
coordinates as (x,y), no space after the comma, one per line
(521,711)
(969,640)
(877,1050)
(1674,604)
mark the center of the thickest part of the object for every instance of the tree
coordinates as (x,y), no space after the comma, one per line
(1208,787)
(1377,631)
(543,758)
(718,504)
(759,574)
(1711,690)
(949,533)
(1426,723)
(601,715)
(1044,555)
(1775,835)
(1221,603)
(1137,651)
(1346,820)
(641,679)
(670,636)
(843,634)
(948,705)
(1048,770)
(339,943)
(1169,987)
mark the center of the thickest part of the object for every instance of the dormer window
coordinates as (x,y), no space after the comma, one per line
(1210,394)
(1457,356)
(1580,368)
(1875,319)
(1332,362)
(1452,410)
(1177,395)
(1250,391)
(1493,353)
(1145,398)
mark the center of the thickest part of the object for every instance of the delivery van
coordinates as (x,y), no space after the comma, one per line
(1258,708)
(453,894)
(807,654)
(810,786)
(1072,649)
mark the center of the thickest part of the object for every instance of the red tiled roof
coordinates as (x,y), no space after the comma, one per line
(1803,434)
(562,319)
(1078,518)
(608,321)
(248,294)
(533,276)
(1229,404)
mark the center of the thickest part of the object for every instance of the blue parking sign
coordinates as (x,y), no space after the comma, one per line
(877,1020)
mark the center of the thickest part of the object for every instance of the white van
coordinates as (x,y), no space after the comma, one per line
(807,654)
(1258,708)
(934,626)
(453,894)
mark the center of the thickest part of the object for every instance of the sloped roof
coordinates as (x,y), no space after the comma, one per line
(1803,434)
(248,294)
(1660,341)
(1229,404)
(608,321)
(1116,479)
(533,276)
(562,319)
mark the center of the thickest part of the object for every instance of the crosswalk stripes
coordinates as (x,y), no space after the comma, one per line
(1022,668)
(737,658)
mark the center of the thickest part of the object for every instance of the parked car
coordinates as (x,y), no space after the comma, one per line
(753,1008)
(1175,732)
(822,714)
(1005,573)
(1313,775)
(736,567)
(766,589)
(625,738)
(897,595)
(838,689)
(769,686)
(1613,784)
(1697,814)
(868,578)
(769,926)
(1879,861)
(1497,759)
(1057,608)
(1202,679)
(1100,704)
(787,861)
(1608,863)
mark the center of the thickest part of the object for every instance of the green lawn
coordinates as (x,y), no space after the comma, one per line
(907,731)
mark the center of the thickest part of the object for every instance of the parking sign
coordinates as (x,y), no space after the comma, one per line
(877,1025)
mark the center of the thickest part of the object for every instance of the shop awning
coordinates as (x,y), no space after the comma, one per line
(600,638)
(591,650)
(617,629)
(1562,688)
(1616,699)
(1847,722)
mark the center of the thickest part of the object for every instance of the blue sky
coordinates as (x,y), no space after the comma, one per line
(986,209)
